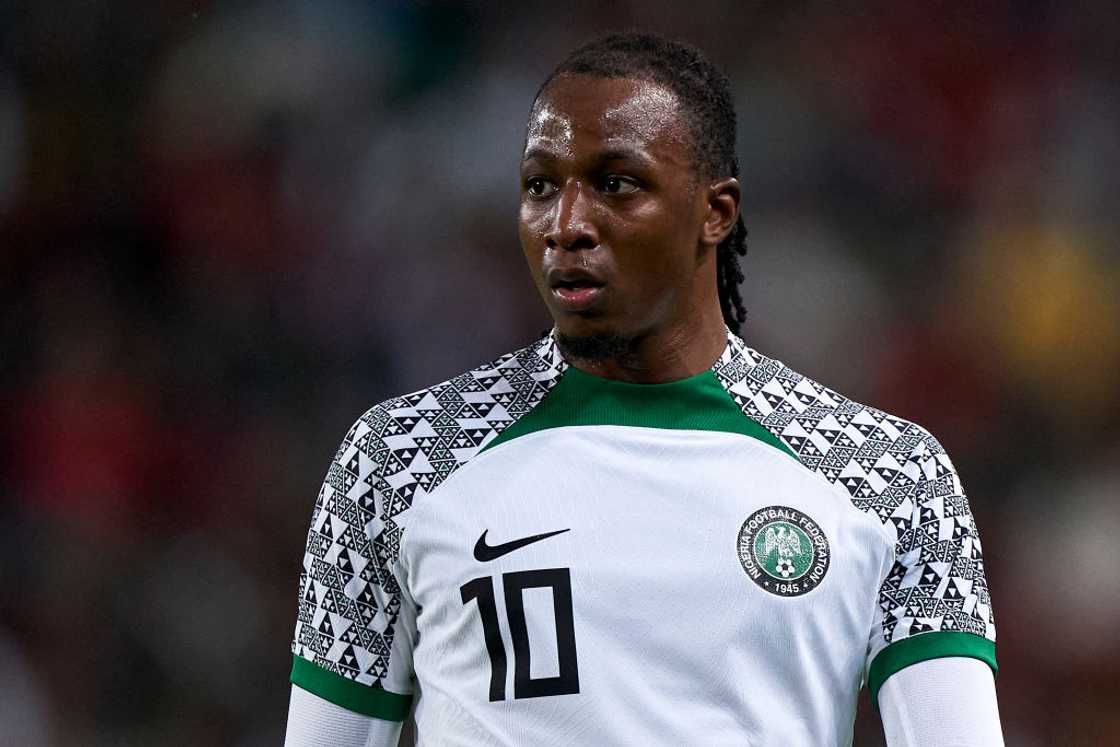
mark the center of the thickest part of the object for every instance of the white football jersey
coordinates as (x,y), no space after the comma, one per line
(529,554)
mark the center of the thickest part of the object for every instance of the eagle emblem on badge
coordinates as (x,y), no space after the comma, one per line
(783,550)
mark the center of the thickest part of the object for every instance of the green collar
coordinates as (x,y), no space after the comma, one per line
(698,403)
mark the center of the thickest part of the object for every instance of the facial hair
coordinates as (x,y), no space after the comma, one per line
(601,346)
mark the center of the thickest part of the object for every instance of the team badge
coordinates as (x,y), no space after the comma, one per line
(783,551)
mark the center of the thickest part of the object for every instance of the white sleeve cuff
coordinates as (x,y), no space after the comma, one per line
(946,702)
(314,722)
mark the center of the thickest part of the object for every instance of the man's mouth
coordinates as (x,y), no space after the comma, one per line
(577,295)
(576,289)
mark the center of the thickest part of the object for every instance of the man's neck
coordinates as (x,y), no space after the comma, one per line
(669,354)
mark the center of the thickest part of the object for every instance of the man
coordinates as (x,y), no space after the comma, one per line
(638,530)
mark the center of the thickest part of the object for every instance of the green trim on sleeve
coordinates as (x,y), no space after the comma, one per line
(925,646)
(698,402)
(364,699)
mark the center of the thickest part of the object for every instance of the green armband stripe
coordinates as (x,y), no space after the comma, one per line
(369,700)
(924,646)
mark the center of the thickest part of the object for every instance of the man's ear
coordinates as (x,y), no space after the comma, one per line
(723,211)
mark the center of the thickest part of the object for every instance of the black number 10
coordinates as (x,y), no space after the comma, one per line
(513,584)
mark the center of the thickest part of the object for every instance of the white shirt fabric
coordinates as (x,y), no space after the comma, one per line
(528,554)
(314,722)
(948,702)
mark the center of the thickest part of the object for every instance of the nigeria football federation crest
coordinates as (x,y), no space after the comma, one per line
(783,551)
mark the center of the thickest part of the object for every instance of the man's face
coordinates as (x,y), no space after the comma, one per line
(611,209)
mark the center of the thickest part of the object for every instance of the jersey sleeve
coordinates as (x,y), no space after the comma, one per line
(947,701)
(313,722)
(356,625)
(934,600)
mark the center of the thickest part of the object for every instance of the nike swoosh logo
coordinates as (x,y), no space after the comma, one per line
(484,552)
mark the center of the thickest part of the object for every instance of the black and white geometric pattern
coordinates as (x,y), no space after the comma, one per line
(395,453)
(890,467)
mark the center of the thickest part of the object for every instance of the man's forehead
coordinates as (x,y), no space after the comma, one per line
(611,110)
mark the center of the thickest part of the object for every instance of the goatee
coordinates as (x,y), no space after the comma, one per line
(601,346)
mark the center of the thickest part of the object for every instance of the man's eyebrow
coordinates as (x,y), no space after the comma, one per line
(623,154)
(611,154)
(538,152)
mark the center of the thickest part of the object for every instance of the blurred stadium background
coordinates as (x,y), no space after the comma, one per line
(228,228)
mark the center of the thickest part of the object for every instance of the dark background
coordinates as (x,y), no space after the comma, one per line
(229,228)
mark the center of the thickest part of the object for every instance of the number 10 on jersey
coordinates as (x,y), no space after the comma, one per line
(481,590)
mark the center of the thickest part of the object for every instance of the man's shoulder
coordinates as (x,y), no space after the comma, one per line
(877,456)
(891,468)
(411,443)
(486,397)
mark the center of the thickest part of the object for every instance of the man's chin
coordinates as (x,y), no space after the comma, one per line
(595,345)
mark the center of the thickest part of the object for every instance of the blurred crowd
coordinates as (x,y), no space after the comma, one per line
(226,229)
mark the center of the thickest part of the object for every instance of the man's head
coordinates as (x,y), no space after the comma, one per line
(629,199)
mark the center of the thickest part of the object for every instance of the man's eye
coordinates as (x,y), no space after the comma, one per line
(539,186)
(619,185)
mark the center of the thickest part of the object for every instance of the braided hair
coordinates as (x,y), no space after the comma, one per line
(706,104)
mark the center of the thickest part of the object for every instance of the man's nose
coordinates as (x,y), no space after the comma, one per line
(572,226)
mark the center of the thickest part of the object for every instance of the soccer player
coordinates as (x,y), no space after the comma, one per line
(638,530)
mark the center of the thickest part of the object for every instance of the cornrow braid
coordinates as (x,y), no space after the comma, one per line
(709,110)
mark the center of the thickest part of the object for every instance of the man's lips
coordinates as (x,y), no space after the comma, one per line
(575,289)
(573,277)
(577,298)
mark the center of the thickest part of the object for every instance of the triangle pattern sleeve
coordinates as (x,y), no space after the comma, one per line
(897,471)
(356,623)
